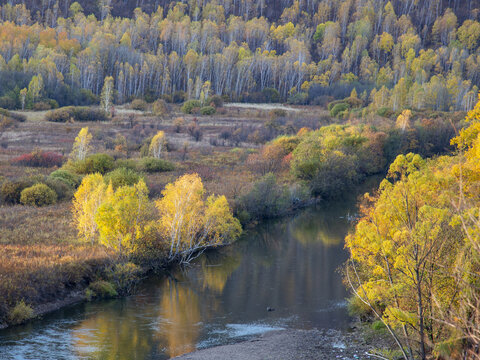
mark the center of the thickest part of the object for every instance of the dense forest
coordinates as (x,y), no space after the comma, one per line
(395,54)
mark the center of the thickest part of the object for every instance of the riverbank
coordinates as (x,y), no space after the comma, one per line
(291,344)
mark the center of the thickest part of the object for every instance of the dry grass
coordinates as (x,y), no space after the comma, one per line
(28,225)
(39,273)
(40,259)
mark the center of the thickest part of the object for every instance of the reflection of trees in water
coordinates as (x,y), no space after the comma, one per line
(180,318)
(217,269)
(326,227)
(106,335)
(288,265)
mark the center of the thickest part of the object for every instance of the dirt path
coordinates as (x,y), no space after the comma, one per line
(290,344)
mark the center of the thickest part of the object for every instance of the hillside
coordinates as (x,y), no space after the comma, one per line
(415,54)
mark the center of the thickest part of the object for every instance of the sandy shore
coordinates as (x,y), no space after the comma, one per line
(290,344)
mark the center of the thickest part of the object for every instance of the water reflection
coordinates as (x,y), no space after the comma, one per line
(179,320)
(289,264)
(111,334)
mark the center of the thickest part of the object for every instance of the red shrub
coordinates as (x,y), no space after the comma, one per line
(39,158)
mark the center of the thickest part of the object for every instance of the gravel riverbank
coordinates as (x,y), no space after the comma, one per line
(290,344)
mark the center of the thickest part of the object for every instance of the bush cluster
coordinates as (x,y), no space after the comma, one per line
(208,110)
(61,182)
(152,165)
(39,158)
(96,163)
(38,195)
(20,313)
(268,199)
(11,190)
(191,106)
(76,113)
(14,116)
(159,107)
(139,104)
(69,178)
(100,289)
(215,101)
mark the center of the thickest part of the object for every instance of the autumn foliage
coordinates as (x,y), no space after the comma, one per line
(415,254)
(39,158)
(123,220)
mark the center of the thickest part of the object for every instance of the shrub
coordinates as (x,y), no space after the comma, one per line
(336,174)
(207,110)
(77,113)
(20,313)
(356,307)
(6,122)
(7,102)
(266,199)
(151,165)
(96,163)
(159,107)
(100,290)
(124,276)
(194,131)
(63,190)
(14,116)
(121,177)
(126,163)
(139,104)
(69,178)
(38,195)
(215,101)
(179,96)
(189,106)
(385,112)
(338,109)
(12,190)
(300,98)
(39,158)
(41,106)
(277,113)
(178,124)
(271,95)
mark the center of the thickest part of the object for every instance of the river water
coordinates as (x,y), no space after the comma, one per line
(290,265)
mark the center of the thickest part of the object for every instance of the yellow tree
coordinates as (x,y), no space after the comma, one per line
(220,226)
(402,253)
(35,87)
(181,211)
(90,195)
(122,216)
(403,120)
(157,145)
(188,223)
(81,146)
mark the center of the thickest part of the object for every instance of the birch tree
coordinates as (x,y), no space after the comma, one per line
(107,94)
(81,146)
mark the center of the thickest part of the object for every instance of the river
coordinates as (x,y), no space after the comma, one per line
(290,265)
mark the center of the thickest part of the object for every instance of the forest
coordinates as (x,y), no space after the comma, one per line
(396,54)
